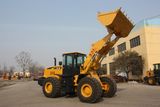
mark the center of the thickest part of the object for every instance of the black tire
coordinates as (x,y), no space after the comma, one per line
(151,81)
(145,80)
(56,87)
(96,92)
(112,87)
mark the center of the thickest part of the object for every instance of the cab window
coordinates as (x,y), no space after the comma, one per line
(69,60)
(80,60)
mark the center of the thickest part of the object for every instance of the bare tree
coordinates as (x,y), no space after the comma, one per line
(5,68)
(129,61)
(12,68)
(35,68)
(24,60)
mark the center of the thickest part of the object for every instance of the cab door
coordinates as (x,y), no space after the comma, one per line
(68,74)
(68,65)
(72,63)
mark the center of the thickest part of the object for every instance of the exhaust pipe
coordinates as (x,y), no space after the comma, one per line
(55,61)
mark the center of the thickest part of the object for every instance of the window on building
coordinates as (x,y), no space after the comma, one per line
(111,68)
(111,52)
(135,42)
(122,47)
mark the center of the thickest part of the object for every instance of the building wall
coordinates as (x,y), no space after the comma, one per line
(149,47)
(153,45)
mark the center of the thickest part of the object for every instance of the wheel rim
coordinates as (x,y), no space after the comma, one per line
(105,87)
(48,87)
(86,90)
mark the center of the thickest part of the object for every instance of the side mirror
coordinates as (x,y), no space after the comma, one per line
(60,62)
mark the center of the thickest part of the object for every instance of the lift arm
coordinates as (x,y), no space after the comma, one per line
(116,23)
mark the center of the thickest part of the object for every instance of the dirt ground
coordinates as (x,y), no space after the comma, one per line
(4,83)
(29,94)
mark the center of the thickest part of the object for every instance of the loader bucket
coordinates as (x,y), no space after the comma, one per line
(116,22)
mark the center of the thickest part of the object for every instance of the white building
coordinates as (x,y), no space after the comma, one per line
(144,39)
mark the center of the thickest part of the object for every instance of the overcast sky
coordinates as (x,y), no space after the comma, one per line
(48,28)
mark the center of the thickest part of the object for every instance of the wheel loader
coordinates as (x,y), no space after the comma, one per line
(76,75)
(152,77)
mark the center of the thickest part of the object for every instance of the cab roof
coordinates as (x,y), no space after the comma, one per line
(74,53)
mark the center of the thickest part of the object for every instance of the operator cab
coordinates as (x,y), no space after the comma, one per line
(157,70)
(71,67)
(157,66)
(72,63)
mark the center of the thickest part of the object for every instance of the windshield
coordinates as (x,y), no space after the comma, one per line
(76,60)
(67,60)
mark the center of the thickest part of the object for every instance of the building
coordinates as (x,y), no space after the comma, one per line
(144,39)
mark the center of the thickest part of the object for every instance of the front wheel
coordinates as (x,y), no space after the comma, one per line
(51,87)
(89,90)
(109,87)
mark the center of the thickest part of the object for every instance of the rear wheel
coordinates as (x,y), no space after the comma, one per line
(51,87)
(89,90)
(110,87)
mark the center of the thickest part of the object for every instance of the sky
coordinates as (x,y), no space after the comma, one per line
(48,28)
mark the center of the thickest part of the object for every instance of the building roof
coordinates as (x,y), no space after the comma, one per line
(152,21)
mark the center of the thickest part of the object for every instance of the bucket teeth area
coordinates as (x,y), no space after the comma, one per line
(116,22)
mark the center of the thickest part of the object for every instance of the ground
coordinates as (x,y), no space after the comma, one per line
(29,94)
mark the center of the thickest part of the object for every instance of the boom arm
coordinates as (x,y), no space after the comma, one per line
(116,23)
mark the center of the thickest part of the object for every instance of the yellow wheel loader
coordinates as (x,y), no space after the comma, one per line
(152,77)
(76,74)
